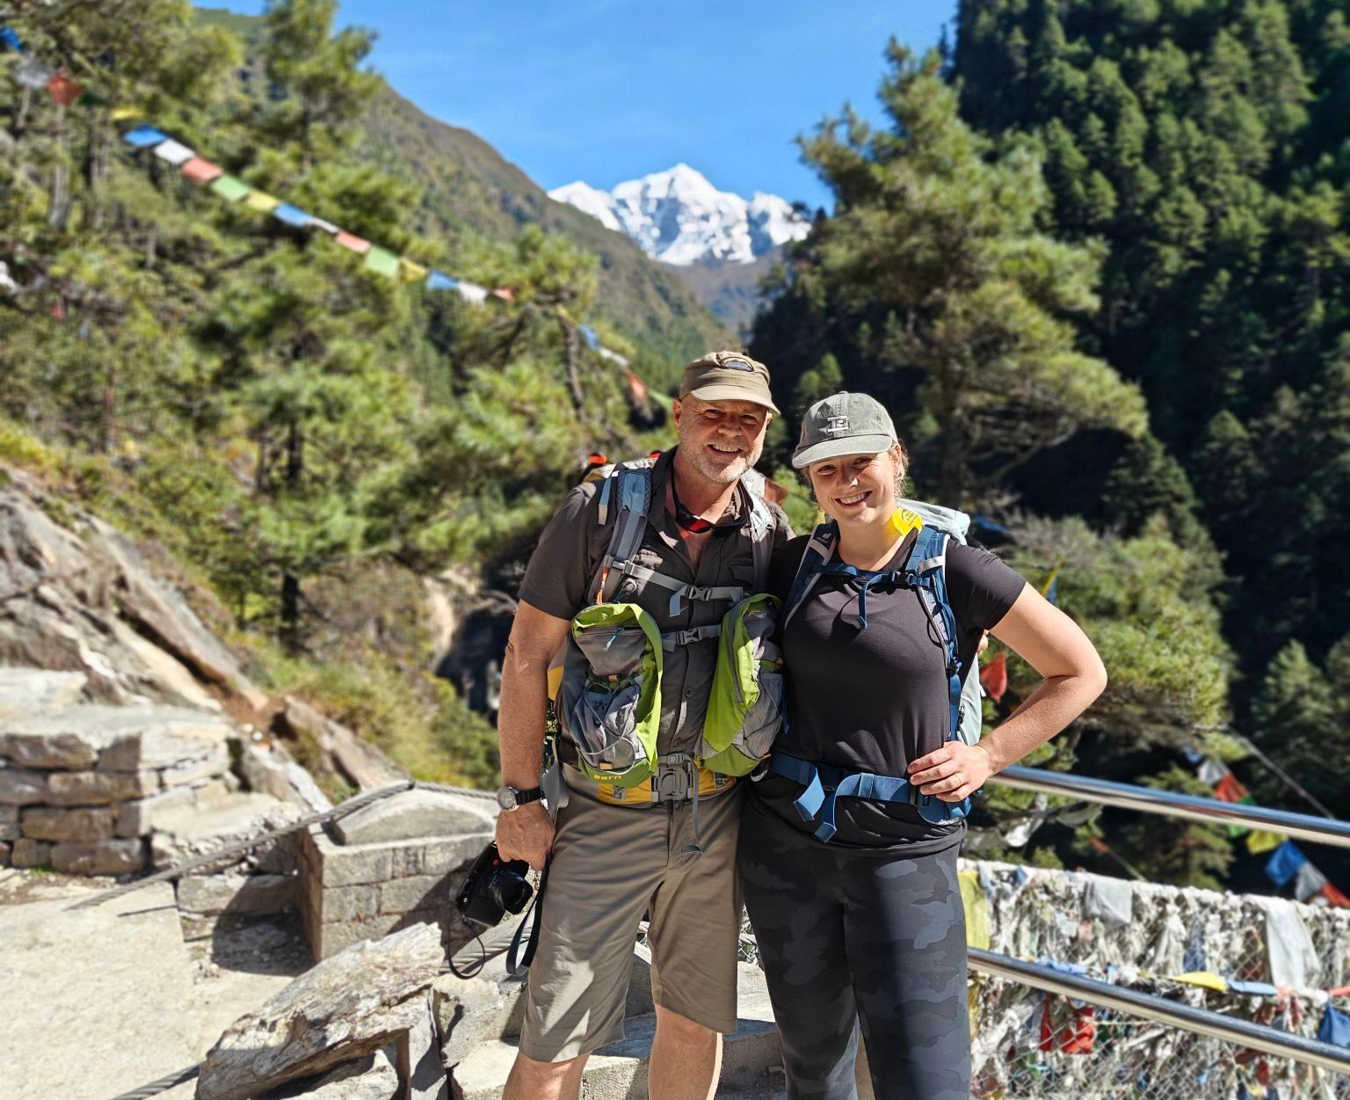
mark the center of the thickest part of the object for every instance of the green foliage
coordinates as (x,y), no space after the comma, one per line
(933,282)
(1173,852)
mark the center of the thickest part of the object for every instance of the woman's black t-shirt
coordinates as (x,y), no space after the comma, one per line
(875,699)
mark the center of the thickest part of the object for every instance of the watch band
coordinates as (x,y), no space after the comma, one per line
(508,798)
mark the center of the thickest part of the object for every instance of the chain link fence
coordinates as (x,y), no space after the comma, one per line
(1029,1045)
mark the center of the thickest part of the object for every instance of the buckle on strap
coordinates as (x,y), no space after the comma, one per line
(675,778)
(705,595)
(676,638)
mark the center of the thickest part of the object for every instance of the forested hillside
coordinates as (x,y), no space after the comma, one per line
(307,439)
(1098,262)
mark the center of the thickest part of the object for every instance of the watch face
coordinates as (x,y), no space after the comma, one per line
(506,798)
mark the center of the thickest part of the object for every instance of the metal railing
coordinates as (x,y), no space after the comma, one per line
(1207,811)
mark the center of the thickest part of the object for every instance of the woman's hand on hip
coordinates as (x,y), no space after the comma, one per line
(953,772)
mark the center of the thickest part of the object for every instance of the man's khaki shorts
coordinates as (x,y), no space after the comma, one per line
(612,864)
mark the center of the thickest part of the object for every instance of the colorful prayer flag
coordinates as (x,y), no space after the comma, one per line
(175,152)
(352,242)
(471,292)
(1212,771)
(591,337)
(1253,989)
(144,137)
(382,262)
(9,37)
(410,272)
(1228,789)
(231,188)
(1284,863)
(1334,1028)
(291,215)
(64,90)
(1335,897)
(262,202)
(1205,978)
(637,388)
(1259,841)
(1308,880)
(612,356)
(975,902)
(1052,592)
(92,99)
(201,171)
(122,114)
(439,280)
(32,73)
(505,293)
(994,677)
(319,223)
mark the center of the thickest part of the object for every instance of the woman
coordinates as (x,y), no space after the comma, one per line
(868,925)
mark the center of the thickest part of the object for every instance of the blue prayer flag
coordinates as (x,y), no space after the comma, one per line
(1253,989)
(989,525)
(439,280)
(291,215)
(143,137)
(1053,590)
(1335,1028)
(10,37)
(591,337)
(1078,970)
(1284,863)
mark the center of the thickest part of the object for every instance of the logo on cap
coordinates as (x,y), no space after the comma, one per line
(836,425)
(737,364)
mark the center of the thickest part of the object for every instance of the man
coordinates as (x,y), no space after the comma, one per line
(617,854)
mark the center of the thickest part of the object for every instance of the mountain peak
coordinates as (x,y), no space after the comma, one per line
(680,218)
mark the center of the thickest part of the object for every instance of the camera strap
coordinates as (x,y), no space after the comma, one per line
(532,916)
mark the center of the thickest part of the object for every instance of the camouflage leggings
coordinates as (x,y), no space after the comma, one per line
(846,933)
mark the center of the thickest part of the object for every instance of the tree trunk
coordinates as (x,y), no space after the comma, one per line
(60,211)
(290,583)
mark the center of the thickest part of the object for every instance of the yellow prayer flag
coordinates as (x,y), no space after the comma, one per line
(262,202)
(976,904)
(121,114)
(410,272)
(1205,978)
(1258,841)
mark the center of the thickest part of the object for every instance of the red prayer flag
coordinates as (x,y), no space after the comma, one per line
(994,677)
(1334,896)
(199,170)
(1228,789)
(505,293)
(64,90)
(350,240)
(637,387)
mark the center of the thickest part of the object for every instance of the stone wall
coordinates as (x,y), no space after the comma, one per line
(392,864)
(84,788)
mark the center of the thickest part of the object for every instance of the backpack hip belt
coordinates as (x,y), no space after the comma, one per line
(825,783)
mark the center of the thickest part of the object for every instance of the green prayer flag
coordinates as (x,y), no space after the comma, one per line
(231,188)
(382,262)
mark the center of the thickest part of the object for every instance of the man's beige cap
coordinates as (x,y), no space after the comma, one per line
(728,376)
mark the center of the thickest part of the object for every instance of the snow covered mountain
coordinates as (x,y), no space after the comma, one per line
(680,218)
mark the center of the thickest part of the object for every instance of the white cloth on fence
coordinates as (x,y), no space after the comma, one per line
(1289,947)
(1109,899)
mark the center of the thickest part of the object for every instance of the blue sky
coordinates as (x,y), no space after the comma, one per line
(608,90)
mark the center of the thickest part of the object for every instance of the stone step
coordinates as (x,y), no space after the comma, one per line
(619,1071)
(27,691)
(180,741)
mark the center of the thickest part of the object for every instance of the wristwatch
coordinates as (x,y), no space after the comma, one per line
(509,798)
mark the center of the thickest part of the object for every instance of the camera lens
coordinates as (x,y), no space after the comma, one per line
(510,890)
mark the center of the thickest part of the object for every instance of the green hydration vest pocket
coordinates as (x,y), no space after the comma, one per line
(745,708)
(609,701)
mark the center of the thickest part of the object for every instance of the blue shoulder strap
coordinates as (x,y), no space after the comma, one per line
(819,550)
(928,569)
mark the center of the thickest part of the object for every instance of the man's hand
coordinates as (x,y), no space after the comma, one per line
(526,833)
(953,772)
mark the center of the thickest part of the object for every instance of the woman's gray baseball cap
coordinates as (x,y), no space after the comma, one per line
(843,424)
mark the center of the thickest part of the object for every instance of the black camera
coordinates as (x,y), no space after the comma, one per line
(495,887)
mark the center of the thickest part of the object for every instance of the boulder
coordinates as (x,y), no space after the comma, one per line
(361,763)
(9,823)
(350,1005)
(36,690)
(269,768)
(195,828)
(419,1058)
(416,813)
(98,857)
(370,1078)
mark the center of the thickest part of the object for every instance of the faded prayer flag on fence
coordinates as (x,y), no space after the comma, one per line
(231,188)
(1284,863)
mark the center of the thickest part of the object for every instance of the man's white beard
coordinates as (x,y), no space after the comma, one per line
(729,474)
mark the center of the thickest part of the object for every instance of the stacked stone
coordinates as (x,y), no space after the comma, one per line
(81,786)
(394,863)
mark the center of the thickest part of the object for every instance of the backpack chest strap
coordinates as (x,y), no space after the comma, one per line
(680,591)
